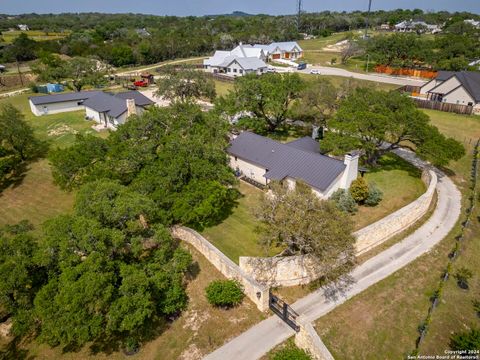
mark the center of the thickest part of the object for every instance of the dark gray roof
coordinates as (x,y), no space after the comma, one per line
(74,96)
(470,80)
(284,160)
(116,105)
(306,144)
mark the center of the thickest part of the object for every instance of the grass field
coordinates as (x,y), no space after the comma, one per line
(382,321)
(33,195)
(37,35)
(236,235)
(198,330)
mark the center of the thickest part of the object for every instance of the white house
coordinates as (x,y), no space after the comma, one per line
(105,108)
(221,60)
(422,26)
(239,66)
(289,50)
(474,23)
(58,103)
(262,160)
(462,87)
(23,27)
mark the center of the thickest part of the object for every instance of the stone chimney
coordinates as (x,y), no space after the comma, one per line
(131,107)
(351,170)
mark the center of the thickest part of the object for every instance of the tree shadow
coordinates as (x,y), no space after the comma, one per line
(11,351)
(16,179)
(338,288)
(390,161)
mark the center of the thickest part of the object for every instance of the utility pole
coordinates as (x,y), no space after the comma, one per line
(299,14)
(367,22)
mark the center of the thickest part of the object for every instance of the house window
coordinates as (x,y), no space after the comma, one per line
(470,104)
(229,70)
(234,70)
(241,71)
(236,158)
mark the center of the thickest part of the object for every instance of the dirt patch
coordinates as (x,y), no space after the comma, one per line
(195,319)
(191,353)
(61,130)
(5,328)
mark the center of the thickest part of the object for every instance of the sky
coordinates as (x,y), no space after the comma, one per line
(210,7)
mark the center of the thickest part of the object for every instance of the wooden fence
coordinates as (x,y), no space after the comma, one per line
(436,105)
(422,73)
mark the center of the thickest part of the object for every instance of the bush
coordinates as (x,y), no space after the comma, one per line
(359,190)
(467,340)
(224,293)
(463,275)
(375,195)
(290,352)
(344,201)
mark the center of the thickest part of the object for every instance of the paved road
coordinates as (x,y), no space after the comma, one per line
(261,338)
(326,70)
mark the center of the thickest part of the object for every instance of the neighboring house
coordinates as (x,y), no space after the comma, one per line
(53,104)
(475,63)
(462,87)
(112,110)
(289,50)
(107,109)
(385,27)
(474,23)
(262,160)
(239,66)
(143,32)
(23,27)
(422,26)
(221,60)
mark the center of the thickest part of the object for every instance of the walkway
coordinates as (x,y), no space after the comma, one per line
(261,338)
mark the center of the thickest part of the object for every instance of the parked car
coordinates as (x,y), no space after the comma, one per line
(302,66)
(141,83)
(315,71)
(271,70)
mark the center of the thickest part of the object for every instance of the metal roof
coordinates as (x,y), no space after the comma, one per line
(287,160)
(73,96)
(250,63)
(306,144)
(115,105)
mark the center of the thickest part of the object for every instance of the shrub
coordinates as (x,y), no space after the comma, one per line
(333,61)
(375,195)
(467,340)
(290,352)
(476,307)
(224,293)
(359,190)
(344,201)
(463,275)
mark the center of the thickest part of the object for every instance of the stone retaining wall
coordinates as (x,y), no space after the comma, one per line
(308,340)
(393,224)
(297,270)
(257,292)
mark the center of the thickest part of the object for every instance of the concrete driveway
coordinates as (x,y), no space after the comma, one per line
(396,80)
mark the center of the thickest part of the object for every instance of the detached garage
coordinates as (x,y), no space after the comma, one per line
(58,103)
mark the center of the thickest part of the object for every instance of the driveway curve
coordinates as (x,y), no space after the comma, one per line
(261,338)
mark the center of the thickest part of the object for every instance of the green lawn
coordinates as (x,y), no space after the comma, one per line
(33,195)
(223,87)
(236,235)
(9,36)
(400,183)
(382,321)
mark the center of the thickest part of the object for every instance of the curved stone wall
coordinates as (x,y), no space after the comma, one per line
(298,270)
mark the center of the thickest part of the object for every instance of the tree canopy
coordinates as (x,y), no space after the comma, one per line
(267,98)
(175,156)
(186,85)
(376,122)
(301,223)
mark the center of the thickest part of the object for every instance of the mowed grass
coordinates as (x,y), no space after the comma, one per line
(382,321)
(198,330)
(10,36)
(400,183)
(33,195)
(223,87)
(237,236)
